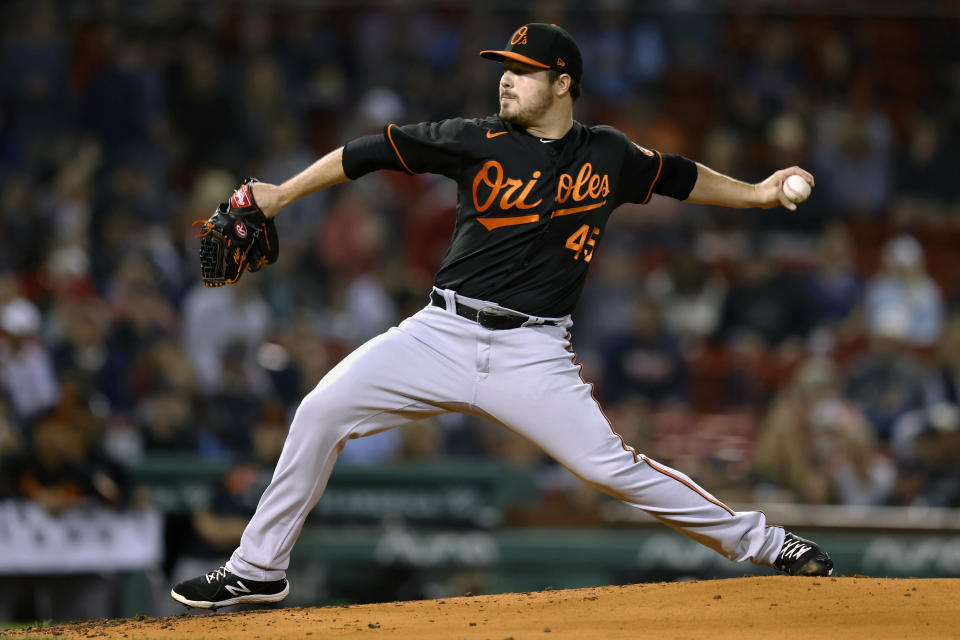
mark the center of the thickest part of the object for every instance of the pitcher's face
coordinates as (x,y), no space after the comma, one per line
(526,93)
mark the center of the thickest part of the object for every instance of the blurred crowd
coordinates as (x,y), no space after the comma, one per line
(810,357)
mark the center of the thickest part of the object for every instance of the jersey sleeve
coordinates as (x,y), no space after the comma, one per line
(428,147)
(645,172)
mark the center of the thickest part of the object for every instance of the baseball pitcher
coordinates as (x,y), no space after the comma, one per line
(535,191)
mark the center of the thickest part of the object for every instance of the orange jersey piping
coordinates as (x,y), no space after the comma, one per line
(655,178)
(631,450)
(397,151)
(689,485)
(623,442)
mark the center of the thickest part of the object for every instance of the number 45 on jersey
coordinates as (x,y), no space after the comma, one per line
(583,241)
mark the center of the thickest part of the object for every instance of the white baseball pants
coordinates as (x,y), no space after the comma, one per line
(524,379)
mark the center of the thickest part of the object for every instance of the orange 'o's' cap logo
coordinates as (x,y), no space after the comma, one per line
(520,36)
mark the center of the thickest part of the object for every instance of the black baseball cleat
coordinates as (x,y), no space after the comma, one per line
(221,588)
(801,557)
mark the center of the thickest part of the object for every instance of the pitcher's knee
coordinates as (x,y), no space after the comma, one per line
(322,415)
(615,475)
(594,477)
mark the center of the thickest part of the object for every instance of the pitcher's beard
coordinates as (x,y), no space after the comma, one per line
(529,114)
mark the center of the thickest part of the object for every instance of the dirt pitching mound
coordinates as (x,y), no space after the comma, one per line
(751,607)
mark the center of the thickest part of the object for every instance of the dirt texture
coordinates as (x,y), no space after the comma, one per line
(741,608)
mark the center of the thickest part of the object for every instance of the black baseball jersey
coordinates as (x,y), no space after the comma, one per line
(531,212)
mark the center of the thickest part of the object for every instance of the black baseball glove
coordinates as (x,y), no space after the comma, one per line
(238,237)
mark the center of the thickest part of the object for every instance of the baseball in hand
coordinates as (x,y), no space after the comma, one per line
(796,188)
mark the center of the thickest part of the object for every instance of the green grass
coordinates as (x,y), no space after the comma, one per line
(6,624)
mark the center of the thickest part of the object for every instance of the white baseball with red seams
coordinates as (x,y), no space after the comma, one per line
(796,188)
(463,367)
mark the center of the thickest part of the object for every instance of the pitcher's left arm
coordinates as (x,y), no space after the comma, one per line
(713,187)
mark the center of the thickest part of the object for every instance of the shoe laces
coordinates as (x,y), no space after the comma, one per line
(793,549)
(216,575)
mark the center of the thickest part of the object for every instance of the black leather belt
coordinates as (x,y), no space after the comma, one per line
(486,319)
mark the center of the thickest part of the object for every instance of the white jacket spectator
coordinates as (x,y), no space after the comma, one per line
(903,284)
(213,319)
(26,370)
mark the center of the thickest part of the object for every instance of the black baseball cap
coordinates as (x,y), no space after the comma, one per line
(546,46)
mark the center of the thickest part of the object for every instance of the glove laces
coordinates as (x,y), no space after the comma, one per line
(208,227)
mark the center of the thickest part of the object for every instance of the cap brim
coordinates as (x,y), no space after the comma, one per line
(500,55)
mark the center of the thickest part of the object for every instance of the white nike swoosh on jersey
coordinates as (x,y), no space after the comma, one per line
(545,141)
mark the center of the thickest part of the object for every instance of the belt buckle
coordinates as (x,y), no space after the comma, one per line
(494,320)
(486,317)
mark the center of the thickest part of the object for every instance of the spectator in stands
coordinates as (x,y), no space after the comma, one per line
(359,452)
(689,296)
(296,357)
(903,283)
(644,361)
(9,287)
(145,319)
(854,152)
(167,415)
(62,467)
(242,316)
(926,445)
(36,87)
(775,71)
(219,526)
(232,408)
(368,308)
(350,243)
(763,306)
(423,441)
(926,184)
(784,458)
(264,102)
(286,154)
(924,442)
(607,299)
(166,422)
(886,381)
(847,453)
(943,382)
(122,98)
(11,436)
(819,447)
(199,102)
(82,352)
(464,436)
(833,287)
(627,53)
(26,370)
